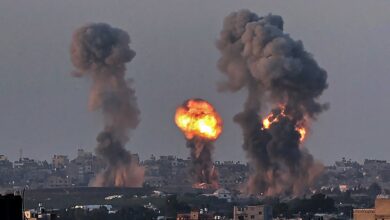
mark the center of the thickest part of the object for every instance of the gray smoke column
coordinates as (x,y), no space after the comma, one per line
(279,74)
(100,52)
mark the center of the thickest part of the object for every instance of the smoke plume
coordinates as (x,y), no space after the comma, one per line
(278,73)
(202,166)
(100,52)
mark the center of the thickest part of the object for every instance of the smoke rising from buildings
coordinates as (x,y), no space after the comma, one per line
(100,52)
(202,166)
(279,74)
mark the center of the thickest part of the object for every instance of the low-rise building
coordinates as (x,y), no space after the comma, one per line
(60,161)
(195,215)
(257,212)
(381,211)
(55,181)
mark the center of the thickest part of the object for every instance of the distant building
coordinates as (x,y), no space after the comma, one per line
(4,162)
(231,174)
(60,161)
(380,212)
(258,212)
(195,215)
(10,207)
(55,181)
(84,168)
(40,214)
(364,214)
(26,163)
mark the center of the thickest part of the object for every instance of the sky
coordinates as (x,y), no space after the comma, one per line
(44,109)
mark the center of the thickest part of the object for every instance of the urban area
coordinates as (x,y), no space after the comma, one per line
(58,189)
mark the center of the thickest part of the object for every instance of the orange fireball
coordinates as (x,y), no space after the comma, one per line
(198,118)
(271,118)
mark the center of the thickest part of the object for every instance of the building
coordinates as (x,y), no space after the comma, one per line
(26,163)
(40,214)
(55,181)
(5,163)
(364,214)
(380,212)
(195,215)
(258,212)
(10,207)
(84,168)
(60,161)
(3,157)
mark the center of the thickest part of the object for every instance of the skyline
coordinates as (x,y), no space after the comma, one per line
(45,112)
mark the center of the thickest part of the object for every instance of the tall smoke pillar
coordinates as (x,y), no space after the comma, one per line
(256,54)
(100,52)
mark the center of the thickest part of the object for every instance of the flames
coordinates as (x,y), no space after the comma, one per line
(198,118)
(275,117)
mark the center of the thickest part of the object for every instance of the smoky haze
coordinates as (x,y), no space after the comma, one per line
(100,52)
(277,72)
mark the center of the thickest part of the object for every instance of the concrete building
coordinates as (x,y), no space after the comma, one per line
(60,161)
(55,181)
(5,163)
(364,214)
(40,214)
(84,167)
(195,215)
(380,212)
(258,212)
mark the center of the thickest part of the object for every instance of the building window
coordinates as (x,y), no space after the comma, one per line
(252,217)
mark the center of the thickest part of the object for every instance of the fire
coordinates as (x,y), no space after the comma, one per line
(198,118)
(302,132)
(271,118)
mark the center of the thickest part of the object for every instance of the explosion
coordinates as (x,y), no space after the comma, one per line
(276,70)
(101,52)
(197,118)
(274,117)
(201,125)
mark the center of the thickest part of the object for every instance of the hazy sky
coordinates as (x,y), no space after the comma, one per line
(44,110)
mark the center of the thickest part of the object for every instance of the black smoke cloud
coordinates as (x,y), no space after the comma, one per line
(100,52)
(258,55)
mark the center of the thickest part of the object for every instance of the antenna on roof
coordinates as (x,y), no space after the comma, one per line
(20,154)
